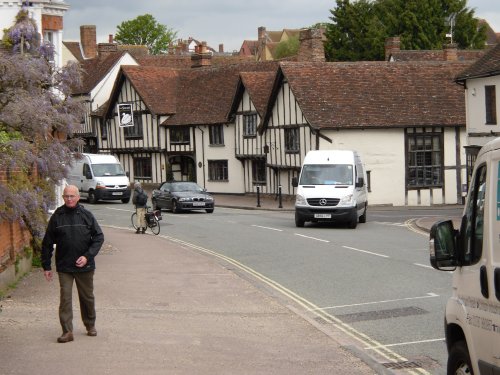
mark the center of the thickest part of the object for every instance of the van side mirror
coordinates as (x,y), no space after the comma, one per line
(295,182)
(443,246)
(360,182)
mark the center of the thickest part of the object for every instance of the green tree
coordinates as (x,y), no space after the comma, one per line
(359,28)
(355,34)
(287,48)
(145,30)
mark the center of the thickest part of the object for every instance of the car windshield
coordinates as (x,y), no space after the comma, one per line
(186,186)
(101,170)
(323,174)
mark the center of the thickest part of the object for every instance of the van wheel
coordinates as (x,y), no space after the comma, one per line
(299,222)
(354,221)
(91,198)
(362,218)
(459,360)
(126,200)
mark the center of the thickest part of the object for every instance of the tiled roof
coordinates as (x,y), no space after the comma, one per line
(74,48)
(184,61)
(259,85)
(435,55)
(204,96)
(377,94)
(486,66)
(157,87)
(94,70)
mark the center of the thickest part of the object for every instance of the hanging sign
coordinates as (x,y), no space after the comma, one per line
(126,115)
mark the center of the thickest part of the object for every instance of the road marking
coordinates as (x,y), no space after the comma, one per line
(259,226)
(311,238)
(389,223)
(365,340)
(366,251)
(118,209)
(423,265)
(428,295)
(408,343)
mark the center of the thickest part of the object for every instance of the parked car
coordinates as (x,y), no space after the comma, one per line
(181,196)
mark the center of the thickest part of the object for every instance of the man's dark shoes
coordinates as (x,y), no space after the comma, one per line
(138,231)
(91,331)
(143,230)
(66,337)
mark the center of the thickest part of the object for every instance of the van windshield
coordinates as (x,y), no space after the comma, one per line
(326,174)
(101,170)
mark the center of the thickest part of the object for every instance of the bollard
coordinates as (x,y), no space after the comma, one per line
(279,197)
(258,196)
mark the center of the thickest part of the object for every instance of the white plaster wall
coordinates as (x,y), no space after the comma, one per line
(205,152)
(476,109)
(383,154)
(101,92)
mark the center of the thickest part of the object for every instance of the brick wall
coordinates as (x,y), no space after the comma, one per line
(13,239)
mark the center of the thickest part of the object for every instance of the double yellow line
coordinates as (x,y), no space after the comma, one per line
(363,339)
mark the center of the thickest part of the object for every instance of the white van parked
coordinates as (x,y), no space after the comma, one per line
(99,177)
(472,317)
(331,187)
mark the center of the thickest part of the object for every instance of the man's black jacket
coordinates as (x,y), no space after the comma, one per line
(75,232)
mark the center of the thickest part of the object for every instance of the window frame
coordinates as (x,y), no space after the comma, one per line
(250,125)
(490,104)
(216,135)
(423,162)
(218,170)
(292,140)
(136,131)
(144,164)
(179,135)
(259,169)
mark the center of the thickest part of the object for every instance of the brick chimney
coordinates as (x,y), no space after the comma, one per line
(201,57)
(311,45)
(450,52)
(88,41)
(392,45)
(110,38)
(261,33)
(221,48)
(106,49)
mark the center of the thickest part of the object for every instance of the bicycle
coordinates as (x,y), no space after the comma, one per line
(153,218)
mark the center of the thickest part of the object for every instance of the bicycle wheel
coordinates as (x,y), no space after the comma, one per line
(155,225)
(133,218)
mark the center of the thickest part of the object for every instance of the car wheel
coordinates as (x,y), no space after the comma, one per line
(299,221)
(91,198)
(459,359)
(126,200)
(155,205)
(210,210)
(362,218)
(175,207)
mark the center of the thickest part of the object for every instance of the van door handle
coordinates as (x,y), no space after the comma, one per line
(496,279)
(483,279)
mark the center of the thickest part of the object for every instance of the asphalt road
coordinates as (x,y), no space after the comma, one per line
(374,281)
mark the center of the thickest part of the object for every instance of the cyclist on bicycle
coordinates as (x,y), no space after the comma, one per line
(140,200)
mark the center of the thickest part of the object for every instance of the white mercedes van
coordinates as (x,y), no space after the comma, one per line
(472,253)
(331,187)
(99,177)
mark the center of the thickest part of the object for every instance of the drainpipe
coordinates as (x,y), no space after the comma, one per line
(202,155)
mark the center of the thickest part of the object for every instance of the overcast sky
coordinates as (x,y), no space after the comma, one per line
(218,21)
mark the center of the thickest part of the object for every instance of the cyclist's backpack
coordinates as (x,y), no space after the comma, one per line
(142,199)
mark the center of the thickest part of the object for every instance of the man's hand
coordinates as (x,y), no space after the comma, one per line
(81,262)
(48,275)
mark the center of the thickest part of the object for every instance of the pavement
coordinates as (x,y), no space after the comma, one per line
(167,307)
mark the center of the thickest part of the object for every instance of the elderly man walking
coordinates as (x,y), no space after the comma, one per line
(77,238)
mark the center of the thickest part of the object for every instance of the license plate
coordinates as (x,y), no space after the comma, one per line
(199,204)
(117,193)
(322,216)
